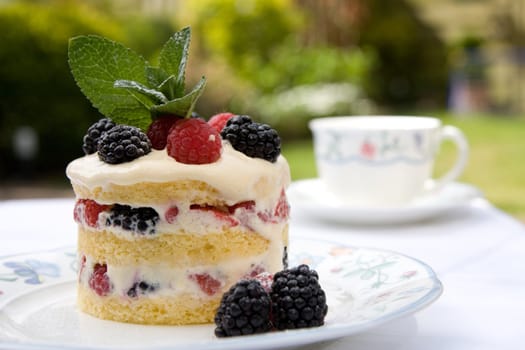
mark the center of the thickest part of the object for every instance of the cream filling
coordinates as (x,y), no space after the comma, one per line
(169,281)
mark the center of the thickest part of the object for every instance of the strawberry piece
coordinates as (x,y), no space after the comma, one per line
(282,210)
(247,205)
(87,211)
(219,214)
(193,141)
(254,272)
(265,279)
(81,267)
(171,214)
(218,121)
(99,280)
(207,283)
(264,216)
(159,129)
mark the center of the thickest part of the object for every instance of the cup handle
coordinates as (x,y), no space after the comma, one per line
(455,135)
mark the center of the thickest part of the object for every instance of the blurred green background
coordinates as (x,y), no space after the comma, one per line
(283,62)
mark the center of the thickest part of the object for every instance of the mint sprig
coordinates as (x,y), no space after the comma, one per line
(184,105)
(125,87)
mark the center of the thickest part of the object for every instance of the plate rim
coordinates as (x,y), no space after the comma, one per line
(285,338)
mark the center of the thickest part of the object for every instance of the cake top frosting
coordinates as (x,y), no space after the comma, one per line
(233,174)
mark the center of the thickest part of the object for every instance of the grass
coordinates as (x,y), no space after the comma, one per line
(496,163)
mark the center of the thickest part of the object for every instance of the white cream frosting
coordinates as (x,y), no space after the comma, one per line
(169,281)
(235,175)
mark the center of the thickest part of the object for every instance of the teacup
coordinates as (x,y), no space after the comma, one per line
(383,161)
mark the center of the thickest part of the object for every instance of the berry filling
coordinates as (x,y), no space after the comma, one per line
(141,288)
(139,220)
(145,220)
(217,213)
(171,214)
(207,283)
(87,212)
(99,280)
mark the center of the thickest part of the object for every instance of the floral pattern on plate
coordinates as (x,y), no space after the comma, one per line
(21,272)
(365,287)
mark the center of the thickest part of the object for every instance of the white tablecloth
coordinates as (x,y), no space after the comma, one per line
(478,253)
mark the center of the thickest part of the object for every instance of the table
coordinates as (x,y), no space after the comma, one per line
(478,253)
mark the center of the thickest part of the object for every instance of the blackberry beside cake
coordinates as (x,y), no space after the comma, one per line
(171,210)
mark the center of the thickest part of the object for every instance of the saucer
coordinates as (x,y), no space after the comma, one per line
(310,197)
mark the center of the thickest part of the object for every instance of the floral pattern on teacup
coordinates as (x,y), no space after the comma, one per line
(383,148)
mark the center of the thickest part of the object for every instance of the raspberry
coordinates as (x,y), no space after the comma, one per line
(159,129)
(94,133)
(207,283)
(123,143)
(87,211)
(244,309)
(298,301)
(99,280)
(193,141)
(140,220)
(218,121)
(251,138)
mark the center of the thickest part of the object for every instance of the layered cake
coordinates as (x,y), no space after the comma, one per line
(172,210)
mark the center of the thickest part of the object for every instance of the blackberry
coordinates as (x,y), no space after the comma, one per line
(93,134)
(298,301)
(141,288)
(123,143)
(253,139)
(244,309)
(139,220)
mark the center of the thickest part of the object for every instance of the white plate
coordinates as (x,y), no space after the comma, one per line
(310,197)
(364,287)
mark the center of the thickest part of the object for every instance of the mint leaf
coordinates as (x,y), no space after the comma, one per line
(168,87)
(162,82)
(174,56)
(149,96)
(155,76)
(96,63)
(182,106)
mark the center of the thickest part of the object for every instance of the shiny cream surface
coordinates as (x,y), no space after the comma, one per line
(235,175)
